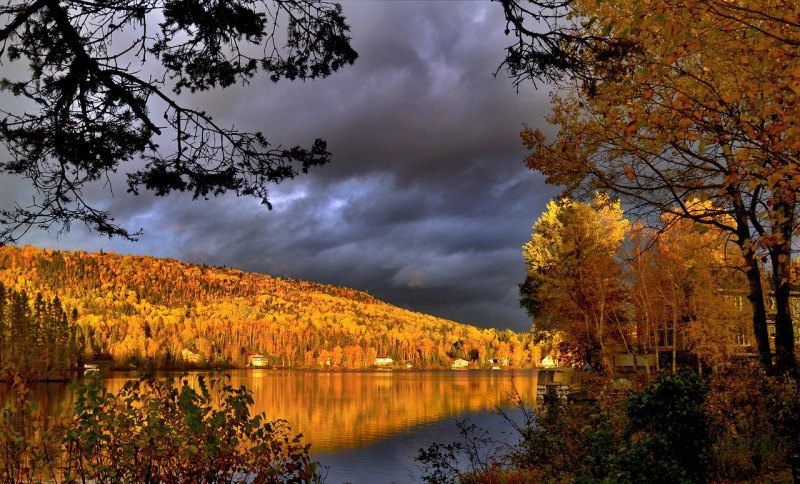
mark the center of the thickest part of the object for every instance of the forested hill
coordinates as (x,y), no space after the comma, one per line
(145,311)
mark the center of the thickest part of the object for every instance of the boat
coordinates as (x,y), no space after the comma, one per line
(90,368)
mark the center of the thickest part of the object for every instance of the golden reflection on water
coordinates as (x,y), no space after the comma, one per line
(337,410)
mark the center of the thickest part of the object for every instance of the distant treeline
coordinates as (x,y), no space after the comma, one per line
(144,311)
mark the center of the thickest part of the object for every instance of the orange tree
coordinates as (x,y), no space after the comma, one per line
(670,102)
(574,282)
(685,283)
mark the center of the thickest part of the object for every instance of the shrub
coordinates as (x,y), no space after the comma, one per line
(156,431)
(668,433)
(749,419)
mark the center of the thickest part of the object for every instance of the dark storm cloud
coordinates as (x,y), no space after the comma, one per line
(426,203)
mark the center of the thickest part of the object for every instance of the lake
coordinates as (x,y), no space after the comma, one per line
(368,426)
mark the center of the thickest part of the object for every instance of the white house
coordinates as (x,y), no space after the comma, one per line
(258,360)
(548,362)
(191,356)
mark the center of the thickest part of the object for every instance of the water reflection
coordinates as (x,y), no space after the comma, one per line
(339,410)
(345,410)
(392,459)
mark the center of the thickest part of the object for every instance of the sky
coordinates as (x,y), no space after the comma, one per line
(426,202)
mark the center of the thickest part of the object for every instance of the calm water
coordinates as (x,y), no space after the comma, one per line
(365,427)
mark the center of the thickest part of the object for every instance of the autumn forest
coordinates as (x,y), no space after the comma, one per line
(147,312)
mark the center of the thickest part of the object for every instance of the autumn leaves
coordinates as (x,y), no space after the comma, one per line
(701,105)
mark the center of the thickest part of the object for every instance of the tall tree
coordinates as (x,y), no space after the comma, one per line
(574,282)
(685,283)
(697,101)
(89,97)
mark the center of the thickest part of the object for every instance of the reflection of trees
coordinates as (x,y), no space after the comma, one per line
(52,397)
(344,409)
(337,410)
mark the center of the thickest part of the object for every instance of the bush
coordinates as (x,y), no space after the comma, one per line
(153,431)
(658,434)
(747,410)
(737,426)
(557,443)
(668,433)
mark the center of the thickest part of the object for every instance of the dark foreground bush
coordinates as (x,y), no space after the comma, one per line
(151,431)
(668,436)
(675,429)
(756,419)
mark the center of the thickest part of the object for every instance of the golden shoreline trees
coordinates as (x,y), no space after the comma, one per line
(37,338)
(598,286)
(574,283)
(145,312)
(695,100)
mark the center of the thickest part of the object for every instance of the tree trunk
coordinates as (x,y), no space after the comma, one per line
(781,258)
(755,294)
(674,343)
(756,297)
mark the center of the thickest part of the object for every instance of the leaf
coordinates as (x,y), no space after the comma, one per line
(629,173)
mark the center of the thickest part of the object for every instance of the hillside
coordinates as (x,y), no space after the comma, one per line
(164,313)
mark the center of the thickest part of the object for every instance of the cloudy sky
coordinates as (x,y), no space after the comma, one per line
(426,202)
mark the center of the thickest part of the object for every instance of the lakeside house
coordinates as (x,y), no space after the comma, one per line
(460,363)
(549,362)
(190,356)
(258,361)
(383,361)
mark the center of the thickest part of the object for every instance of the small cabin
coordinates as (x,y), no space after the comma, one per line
(548,362)
(460,363)
(258,361)
(190,356)
(383,361)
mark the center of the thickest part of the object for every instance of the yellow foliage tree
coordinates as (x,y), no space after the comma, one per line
(685,283)
(683,101)
(574,281)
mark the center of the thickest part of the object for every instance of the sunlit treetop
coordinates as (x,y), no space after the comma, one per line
(567,223)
